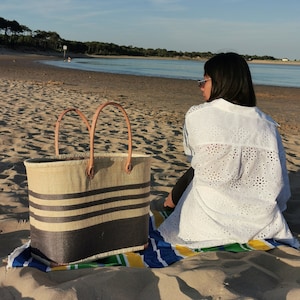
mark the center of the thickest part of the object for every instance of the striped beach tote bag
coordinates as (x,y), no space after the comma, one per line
(84,207)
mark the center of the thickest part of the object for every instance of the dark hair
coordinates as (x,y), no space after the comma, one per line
(231,79)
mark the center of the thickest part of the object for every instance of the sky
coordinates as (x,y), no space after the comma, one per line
(253,27)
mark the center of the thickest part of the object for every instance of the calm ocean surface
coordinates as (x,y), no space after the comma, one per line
(265,74)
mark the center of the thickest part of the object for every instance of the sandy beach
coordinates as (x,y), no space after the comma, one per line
(32,97)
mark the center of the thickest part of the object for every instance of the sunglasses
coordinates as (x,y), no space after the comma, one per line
(202,82)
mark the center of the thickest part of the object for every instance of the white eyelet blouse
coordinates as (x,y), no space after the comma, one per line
(240,186)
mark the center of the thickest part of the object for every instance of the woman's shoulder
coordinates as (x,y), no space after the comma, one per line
(198,107)
(225,106)
(265,116)
(203,106)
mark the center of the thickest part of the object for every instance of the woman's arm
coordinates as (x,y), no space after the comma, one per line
(179,188)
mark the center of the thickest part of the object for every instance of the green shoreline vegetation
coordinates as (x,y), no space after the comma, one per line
(21,38)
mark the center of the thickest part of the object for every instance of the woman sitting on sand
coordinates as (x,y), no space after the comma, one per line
(237,186)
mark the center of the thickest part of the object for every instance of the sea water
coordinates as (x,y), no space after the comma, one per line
(265,74)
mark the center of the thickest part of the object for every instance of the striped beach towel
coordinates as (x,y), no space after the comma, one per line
(158,254)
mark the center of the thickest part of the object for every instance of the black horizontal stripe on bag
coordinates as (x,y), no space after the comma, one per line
(60,207)
(88,215)
(88,193)
(66,246)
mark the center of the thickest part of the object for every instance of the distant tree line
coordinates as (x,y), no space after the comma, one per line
(16,36)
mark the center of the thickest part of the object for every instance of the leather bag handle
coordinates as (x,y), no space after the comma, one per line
(128,166)
(57,125)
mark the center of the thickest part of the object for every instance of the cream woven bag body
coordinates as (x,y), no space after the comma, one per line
(88,207)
